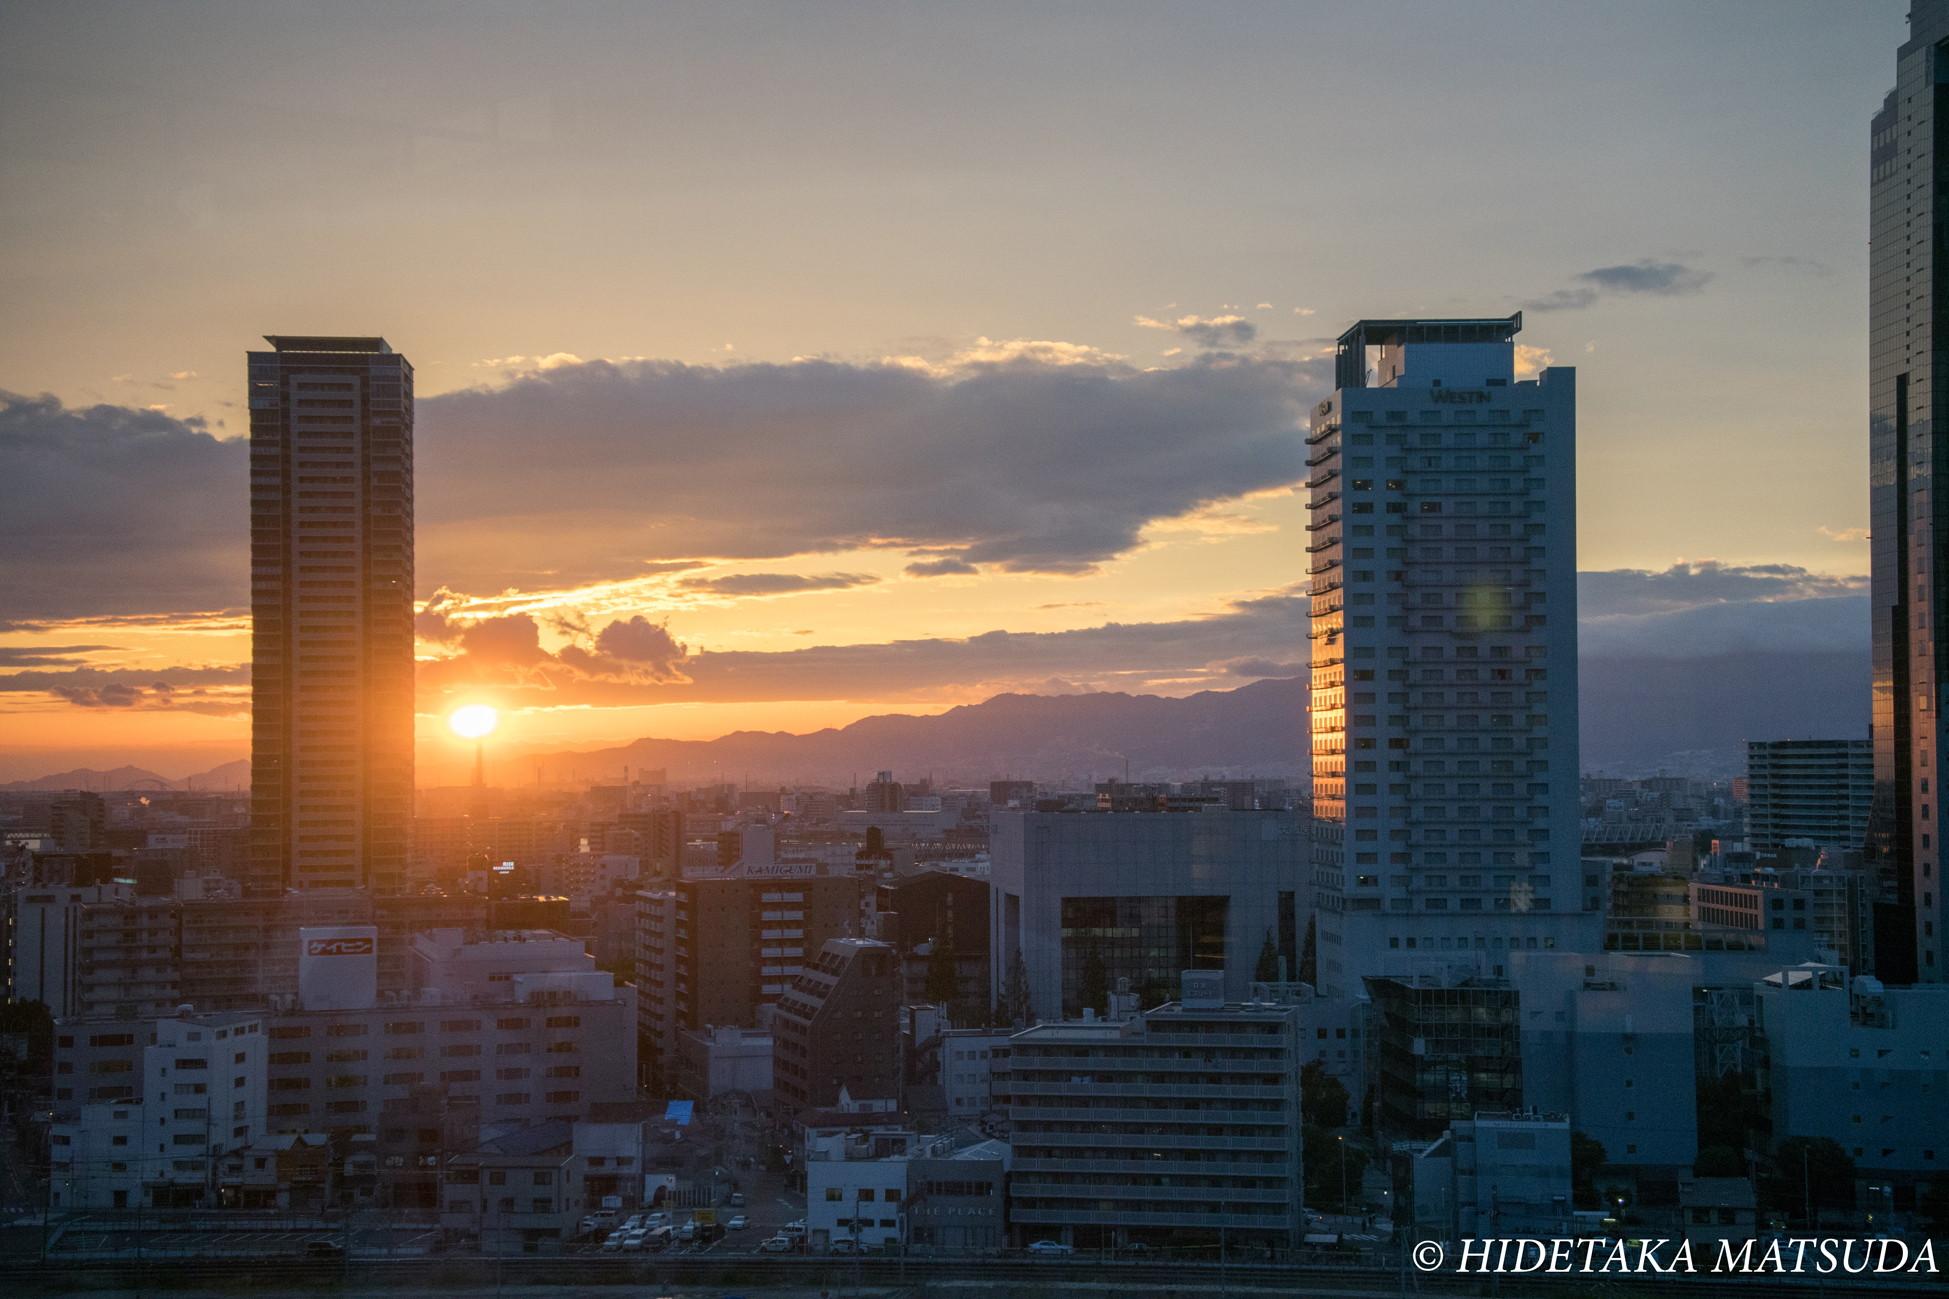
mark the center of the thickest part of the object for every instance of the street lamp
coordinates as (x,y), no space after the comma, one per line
(1343,1173)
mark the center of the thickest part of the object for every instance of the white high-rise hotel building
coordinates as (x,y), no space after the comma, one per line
(1444,646)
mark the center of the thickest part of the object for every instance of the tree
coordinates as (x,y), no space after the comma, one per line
(1727,1112)
(1587,1155)
(1268,967)
(1309,957)
(1813,1170)
(943,982)
(1095,982)
(1016,1008)
(1718,1161)
(1325,1173)
(1322,1099)
(1935,1205)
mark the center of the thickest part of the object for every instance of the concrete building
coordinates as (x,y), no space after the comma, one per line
(1167,1128)
(856,1187)
(717,1059)
(196,1088)
(1141,896)
(1716,1209)
(44,942)
(1908,435)
(1609,1040)
(1849,1058)
(1794,915)
(1493,1175)
(720,949)
(1448,1043)
(972,1059)
(1444,621)
(331,523)
(838,1030)
(936,906)
(527,1048)
(515,1192)
(1809,789)
(959,1204)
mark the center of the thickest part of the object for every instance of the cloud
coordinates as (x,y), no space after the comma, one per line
(1688,585)
(1531,361)
(1217,331)
(587,472)
(777,583)
(1695,610)
(1269,627)
(1660,279)
(217,691)
(1844,534)
(46,656)
(941,568)
(106,510)
(1256,666)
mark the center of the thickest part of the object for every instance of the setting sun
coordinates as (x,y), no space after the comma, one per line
(473,721)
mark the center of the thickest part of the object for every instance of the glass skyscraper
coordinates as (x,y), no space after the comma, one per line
(1443,560)
(1908,522)
(331,530)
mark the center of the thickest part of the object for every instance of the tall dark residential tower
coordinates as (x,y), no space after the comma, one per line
(1908,284)
(331,530)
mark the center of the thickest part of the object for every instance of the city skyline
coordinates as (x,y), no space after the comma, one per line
(852,498)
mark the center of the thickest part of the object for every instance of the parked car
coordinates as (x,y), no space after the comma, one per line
(735,1199)
(1054,1247)
(614,1244)
(687,1232)
(845,1245)
(793,1228)
(776,1245)
(633,1241)
(738,1223)
(635,1220)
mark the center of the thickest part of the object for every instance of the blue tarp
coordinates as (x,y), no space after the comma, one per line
(679,1111)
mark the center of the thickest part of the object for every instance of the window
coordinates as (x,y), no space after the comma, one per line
(833,1194)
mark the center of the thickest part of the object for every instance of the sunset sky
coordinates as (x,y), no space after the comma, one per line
(783,364)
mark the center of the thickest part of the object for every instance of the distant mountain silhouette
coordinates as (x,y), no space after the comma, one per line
(231,775)
(1685,715)
(1693,716)
(1258,729)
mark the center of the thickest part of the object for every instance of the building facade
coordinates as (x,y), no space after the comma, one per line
(331,522)
(1089,900)
(1444,625)
(1821,790)
(167,1098)
(838,1029)
(1908,443)
(1169,1128)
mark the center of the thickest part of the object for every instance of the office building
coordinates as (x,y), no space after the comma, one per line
(1444,663)
(723,1058)
(1168,1128)
(972,1062)
(1089,900)
(1447,1043)
(165,1098)
(1850,1058)
(1820,790)
(723,948)
(331,528)
(1493,1175)
(1908,439)
(838,1029)
(508,1039)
